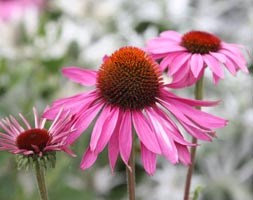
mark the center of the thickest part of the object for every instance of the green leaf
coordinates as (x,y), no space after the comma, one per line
(196,193)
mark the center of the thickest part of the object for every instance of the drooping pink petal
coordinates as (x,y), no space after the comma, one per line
(145,133)
(171,128)
(220,57)
(239,60)
(231,66)
(195,132)
(88,159)
(190,102)
(166,143)
(125,137)
(108,128)
(216,79)
(233,48)
(184,154)
(97,130)
(113,145)
(148,159)
(79,75)
(177,112)
(200,117)
(178,62)
(84,121)
(180,75)
(74,104)
(113,148)
(197,64)
(167,60)
(214,65)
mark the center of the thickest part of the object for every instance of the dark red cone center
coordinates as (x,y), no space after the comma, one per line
(33,137)
(200,42)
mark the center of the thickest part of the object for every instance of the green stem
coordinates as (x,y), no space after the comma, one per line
(131,176)
(39,171)
(199,96)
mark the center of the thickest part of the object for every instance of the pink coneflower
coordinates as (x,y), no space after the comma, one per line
(186,56)
(16,8)
(130,98)
(36,140)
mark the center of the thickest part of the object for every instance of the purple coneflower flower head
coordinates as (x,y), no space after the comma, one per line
(130,99)
(186,56)
(15,8)
(36,141)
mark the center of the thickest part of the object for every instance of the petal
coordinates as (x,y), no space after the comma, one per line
(148,159)
(172,35)
(83,121)
(197,133)
(216,79)
(190,102)
(179,114)
(184,154)
(88,159)
(182,73)
(97,130)
(157,42)
(185,82)
(82,76)
(197,64)
(74,104)
(166,49)
(166,143)
(108,128)
(178,62)
(233,48)
(171,128)
(231,66)
(113,148)
(167,60)
(125,137)
(214,65)
(220,57)
(238,59)
(157,56)
(201,118)
(144,132)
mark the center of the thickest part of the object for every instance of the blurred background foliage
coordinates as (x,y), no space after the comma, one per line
(35,46)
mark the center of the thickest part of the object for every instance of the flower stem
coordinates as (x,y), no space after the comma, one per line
(39,171)
(199,96)
(131,176)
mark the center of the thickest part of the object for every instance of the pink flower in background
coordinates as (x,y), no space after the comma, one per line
(129,97)
(10,9)
(36,140)
(186,56)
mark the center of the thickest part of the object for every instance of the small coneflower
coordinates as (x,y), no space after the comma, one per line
(129,97)
(36,143)
(186,56)
(36,146)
